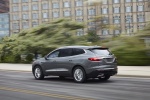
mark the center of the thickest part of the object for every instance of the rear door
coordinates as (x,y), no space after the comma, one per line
(64,62)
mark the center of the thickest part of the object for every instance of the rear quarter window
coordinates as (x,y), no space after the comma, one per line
(77,51)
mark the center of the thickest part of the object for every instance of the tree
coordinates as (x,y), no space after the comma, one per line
(92,36)
(97,23)
(131,50)
(49,35)
(43,38)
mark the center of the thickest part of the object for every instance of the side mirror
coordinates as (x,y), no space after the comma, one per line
(45,58)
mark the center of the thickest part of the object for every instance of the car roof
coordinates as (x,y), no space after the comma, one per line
(81,47)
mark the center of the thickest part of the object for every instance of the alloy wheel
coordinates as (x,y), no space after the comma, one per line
(79,75)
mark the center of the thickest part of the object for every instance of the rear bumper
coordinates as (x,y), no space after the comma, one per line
(102,71)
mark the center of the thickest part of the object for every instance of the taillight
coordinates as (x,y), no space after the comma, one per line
(94,59)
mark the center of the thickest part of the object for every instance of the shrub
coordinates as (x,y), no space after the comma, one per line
(17,58)
(29,58)
(132,58)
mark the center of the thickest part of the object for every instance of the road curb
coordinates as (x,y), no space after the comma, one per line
(138,76)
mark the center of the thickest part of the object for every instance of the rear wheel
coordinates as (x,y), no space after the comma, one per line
(104,78)
(38,73)
(79,75)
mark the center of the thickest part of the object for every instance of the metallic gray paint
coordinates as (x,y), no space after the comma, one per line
(51,66)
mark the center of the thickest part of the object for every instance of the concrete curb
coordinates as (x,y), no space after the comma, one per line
(138,76)
(16,71)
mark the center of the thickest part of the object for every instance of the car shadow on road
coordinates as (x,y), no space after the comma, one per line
(70,80)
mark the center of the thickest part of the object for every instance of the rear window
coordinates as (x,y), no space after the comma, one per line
(101,51)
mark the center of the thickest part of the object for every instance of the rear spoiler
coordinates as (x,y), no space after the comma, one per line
(98,48)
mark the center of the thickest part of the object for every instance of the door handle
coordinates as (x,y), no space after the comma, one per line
(70,60)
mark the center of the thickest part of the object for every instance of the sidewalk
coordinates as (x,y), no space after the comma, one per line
(132,71)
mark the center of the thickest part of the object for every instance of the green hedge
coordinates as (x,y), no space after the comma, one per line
(10,59)
(29,58)
(132,58)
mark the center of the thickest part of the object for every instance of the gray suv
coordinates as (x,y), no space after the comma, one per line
(79,62)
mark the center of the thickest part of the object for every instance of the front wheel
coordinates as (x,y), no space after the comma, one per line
(38,73)
(79,75)
(104,78)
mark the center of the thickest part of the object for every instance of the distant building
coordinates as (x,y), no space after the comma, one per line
(4,24)
(4,6)
(4,18)
(128,15)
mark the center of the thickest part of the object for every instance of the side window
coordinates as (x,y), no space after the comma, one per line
(65,52)
(77,51)
(53,54)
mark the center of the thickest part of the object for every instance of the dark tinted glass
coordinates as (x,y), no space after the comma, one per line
(101,51)
(77,51)
(53,54)
(65,52)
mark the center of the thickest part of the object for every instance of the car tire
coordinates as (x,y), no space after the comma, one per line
(79,75)
(104,78)
(38,73)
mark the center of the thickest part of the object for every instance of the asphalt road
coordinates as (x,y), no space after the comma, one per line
(23,86)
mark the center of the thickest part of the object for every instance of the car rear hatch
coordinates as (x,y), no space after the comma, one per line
(106,61)
(105,55)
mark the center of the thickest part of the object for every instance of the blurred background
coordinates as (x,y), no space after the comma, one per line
(30,29)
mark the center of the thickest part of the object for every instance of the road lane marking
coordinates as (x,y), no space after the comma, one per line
(44,94)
